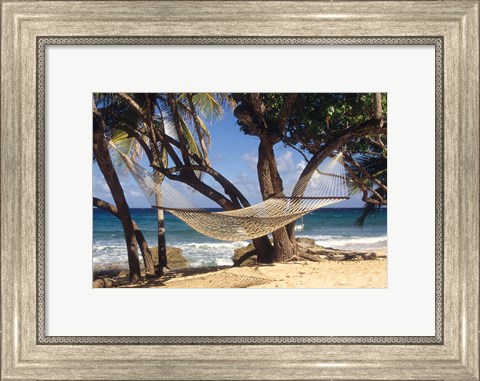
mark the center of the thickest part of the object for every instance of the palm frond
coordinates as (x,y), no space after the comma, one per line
(126,145)
(205,132)
(226,100)
(367,210)
(208,107)
(191,145)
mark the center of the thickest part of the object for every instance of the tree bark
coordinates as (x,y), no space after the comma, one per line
(377,106)
(284,245)
(158,178)
(252,116)
(162,244)
(104,161)
(142,243)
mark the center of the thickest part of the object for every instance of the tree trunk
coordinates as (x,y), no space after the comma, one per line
(158,178)
(284,246)
(104,161)
(162,245)
(377,106)
(264,249)
(142,243)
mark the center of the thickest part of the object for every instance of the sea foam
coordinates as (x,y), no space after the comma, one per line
(210,253)
(352,243)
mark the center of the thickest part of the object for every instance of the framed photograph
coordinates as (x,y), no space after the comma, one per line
(198,190)
(315,180)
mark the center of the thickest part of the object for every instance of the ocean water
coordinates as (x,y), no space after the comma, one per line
(331,227)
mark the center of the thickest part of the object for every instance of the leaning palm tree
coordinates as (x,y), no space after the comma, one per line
(104,161)
(120,119)
(130,147)
(141,120)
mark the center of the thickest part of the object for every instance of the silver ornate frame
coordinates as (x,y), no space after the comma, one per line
(43,42)
(452,26)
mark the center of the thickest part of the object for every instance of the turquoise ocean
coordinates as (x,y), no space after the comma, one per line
(330,227)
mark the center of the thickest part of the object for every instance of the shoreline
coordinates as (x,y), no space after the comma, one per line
(351,273)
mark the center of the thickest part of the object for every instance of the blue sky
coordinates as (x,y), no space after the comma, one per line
(234,155)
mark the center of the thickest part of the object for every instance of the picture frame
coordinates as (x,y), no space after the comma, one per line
(452,26)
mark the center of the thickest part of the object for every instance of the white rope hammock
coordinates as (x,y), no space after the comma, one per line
(324,186)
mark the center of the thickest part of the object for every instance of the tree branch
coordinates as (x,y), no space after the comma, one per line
(365,190)
(142,243)
(286,110)
(334,143)
(367,174)
(134,105)
(228,187)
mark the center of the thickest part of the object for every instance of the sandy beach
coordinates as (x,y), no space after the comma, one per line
(297,274)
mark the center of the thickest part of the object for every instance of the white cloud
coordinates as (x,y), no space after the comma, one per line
(100,189)
(248,185)
(289,170)
(287,166)
(301,165)
(134,193)
(285,162)
(251,158)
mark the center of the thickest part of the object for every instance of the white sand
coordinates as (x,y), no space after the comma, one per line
(304,274)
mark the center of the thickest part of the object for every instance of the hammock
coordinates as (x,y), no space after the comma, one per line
(324,186)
